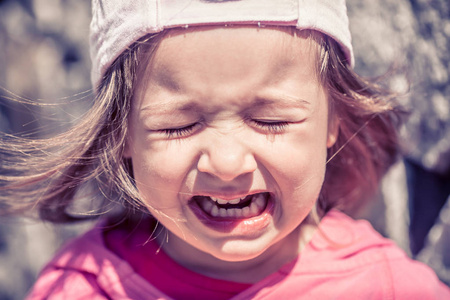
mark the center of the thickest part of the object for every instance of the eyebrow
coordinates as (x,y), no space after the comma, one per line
(165,108)
(282,100)
(168,108)
(165,79)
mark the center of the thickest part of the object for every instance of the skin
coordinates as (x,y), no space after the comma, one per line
(228,112)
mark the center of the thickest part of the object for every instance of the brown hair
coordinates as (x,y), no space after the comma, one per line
(368,144)
(87,161)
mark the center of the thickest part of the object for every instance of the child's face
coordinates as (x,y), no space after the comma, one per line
(225,114)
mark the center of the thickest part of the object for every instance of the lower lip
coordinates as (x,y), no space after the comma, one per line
(238,226)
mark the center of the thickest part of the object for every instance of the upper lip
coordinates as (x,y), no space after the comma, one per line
(229,196)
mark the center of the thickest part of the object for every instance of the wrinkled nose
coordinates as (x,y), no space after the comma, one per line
(226,157)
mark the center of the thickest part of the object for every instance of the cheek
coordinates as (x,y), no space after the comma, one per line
(300,162)
(160,176)
(162,163)
(305,162)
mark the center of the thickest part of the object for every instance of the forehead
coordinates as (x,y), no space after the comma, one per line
(220,46)
(240,40)
(221,60)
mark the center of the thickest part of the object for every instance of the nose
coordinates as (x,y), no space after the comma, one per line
(226,157)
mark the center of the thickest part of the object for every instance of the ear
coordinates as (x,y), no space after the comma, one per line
(333,131)
(127,149)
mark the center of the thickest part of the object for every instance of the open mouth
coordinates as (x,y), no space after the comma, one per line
(239,208)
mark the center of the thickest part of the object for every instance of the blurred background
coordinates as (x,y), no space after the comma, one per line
(44,57)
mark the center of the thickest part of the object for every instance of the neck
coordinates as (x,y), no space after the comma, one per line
(248,271)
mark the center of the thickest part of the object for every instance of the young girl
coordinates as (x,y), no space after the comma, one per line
(224,137)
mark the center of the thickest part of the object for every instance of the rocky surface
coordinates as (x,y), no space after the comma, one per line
(411,38)
(412,35)
(44,55)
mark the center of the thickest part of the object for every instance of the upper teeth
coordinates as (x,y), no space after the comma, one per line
(222,201)
(217,207)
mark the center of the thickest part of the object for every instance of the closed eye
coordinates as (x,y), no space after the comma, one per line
(271,127)
(179,132)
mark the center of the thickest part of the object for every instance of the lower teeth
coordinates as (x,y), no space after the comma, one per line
(255,208)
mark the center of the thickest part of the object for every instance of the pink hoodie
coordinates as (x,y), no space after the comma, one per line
(346,259)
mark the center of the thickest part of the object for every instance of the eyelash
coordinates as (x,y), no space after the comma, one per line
(179,132)
(271,127)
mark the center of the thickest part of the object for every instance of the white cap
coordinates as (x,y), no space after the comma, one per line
(116,24)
